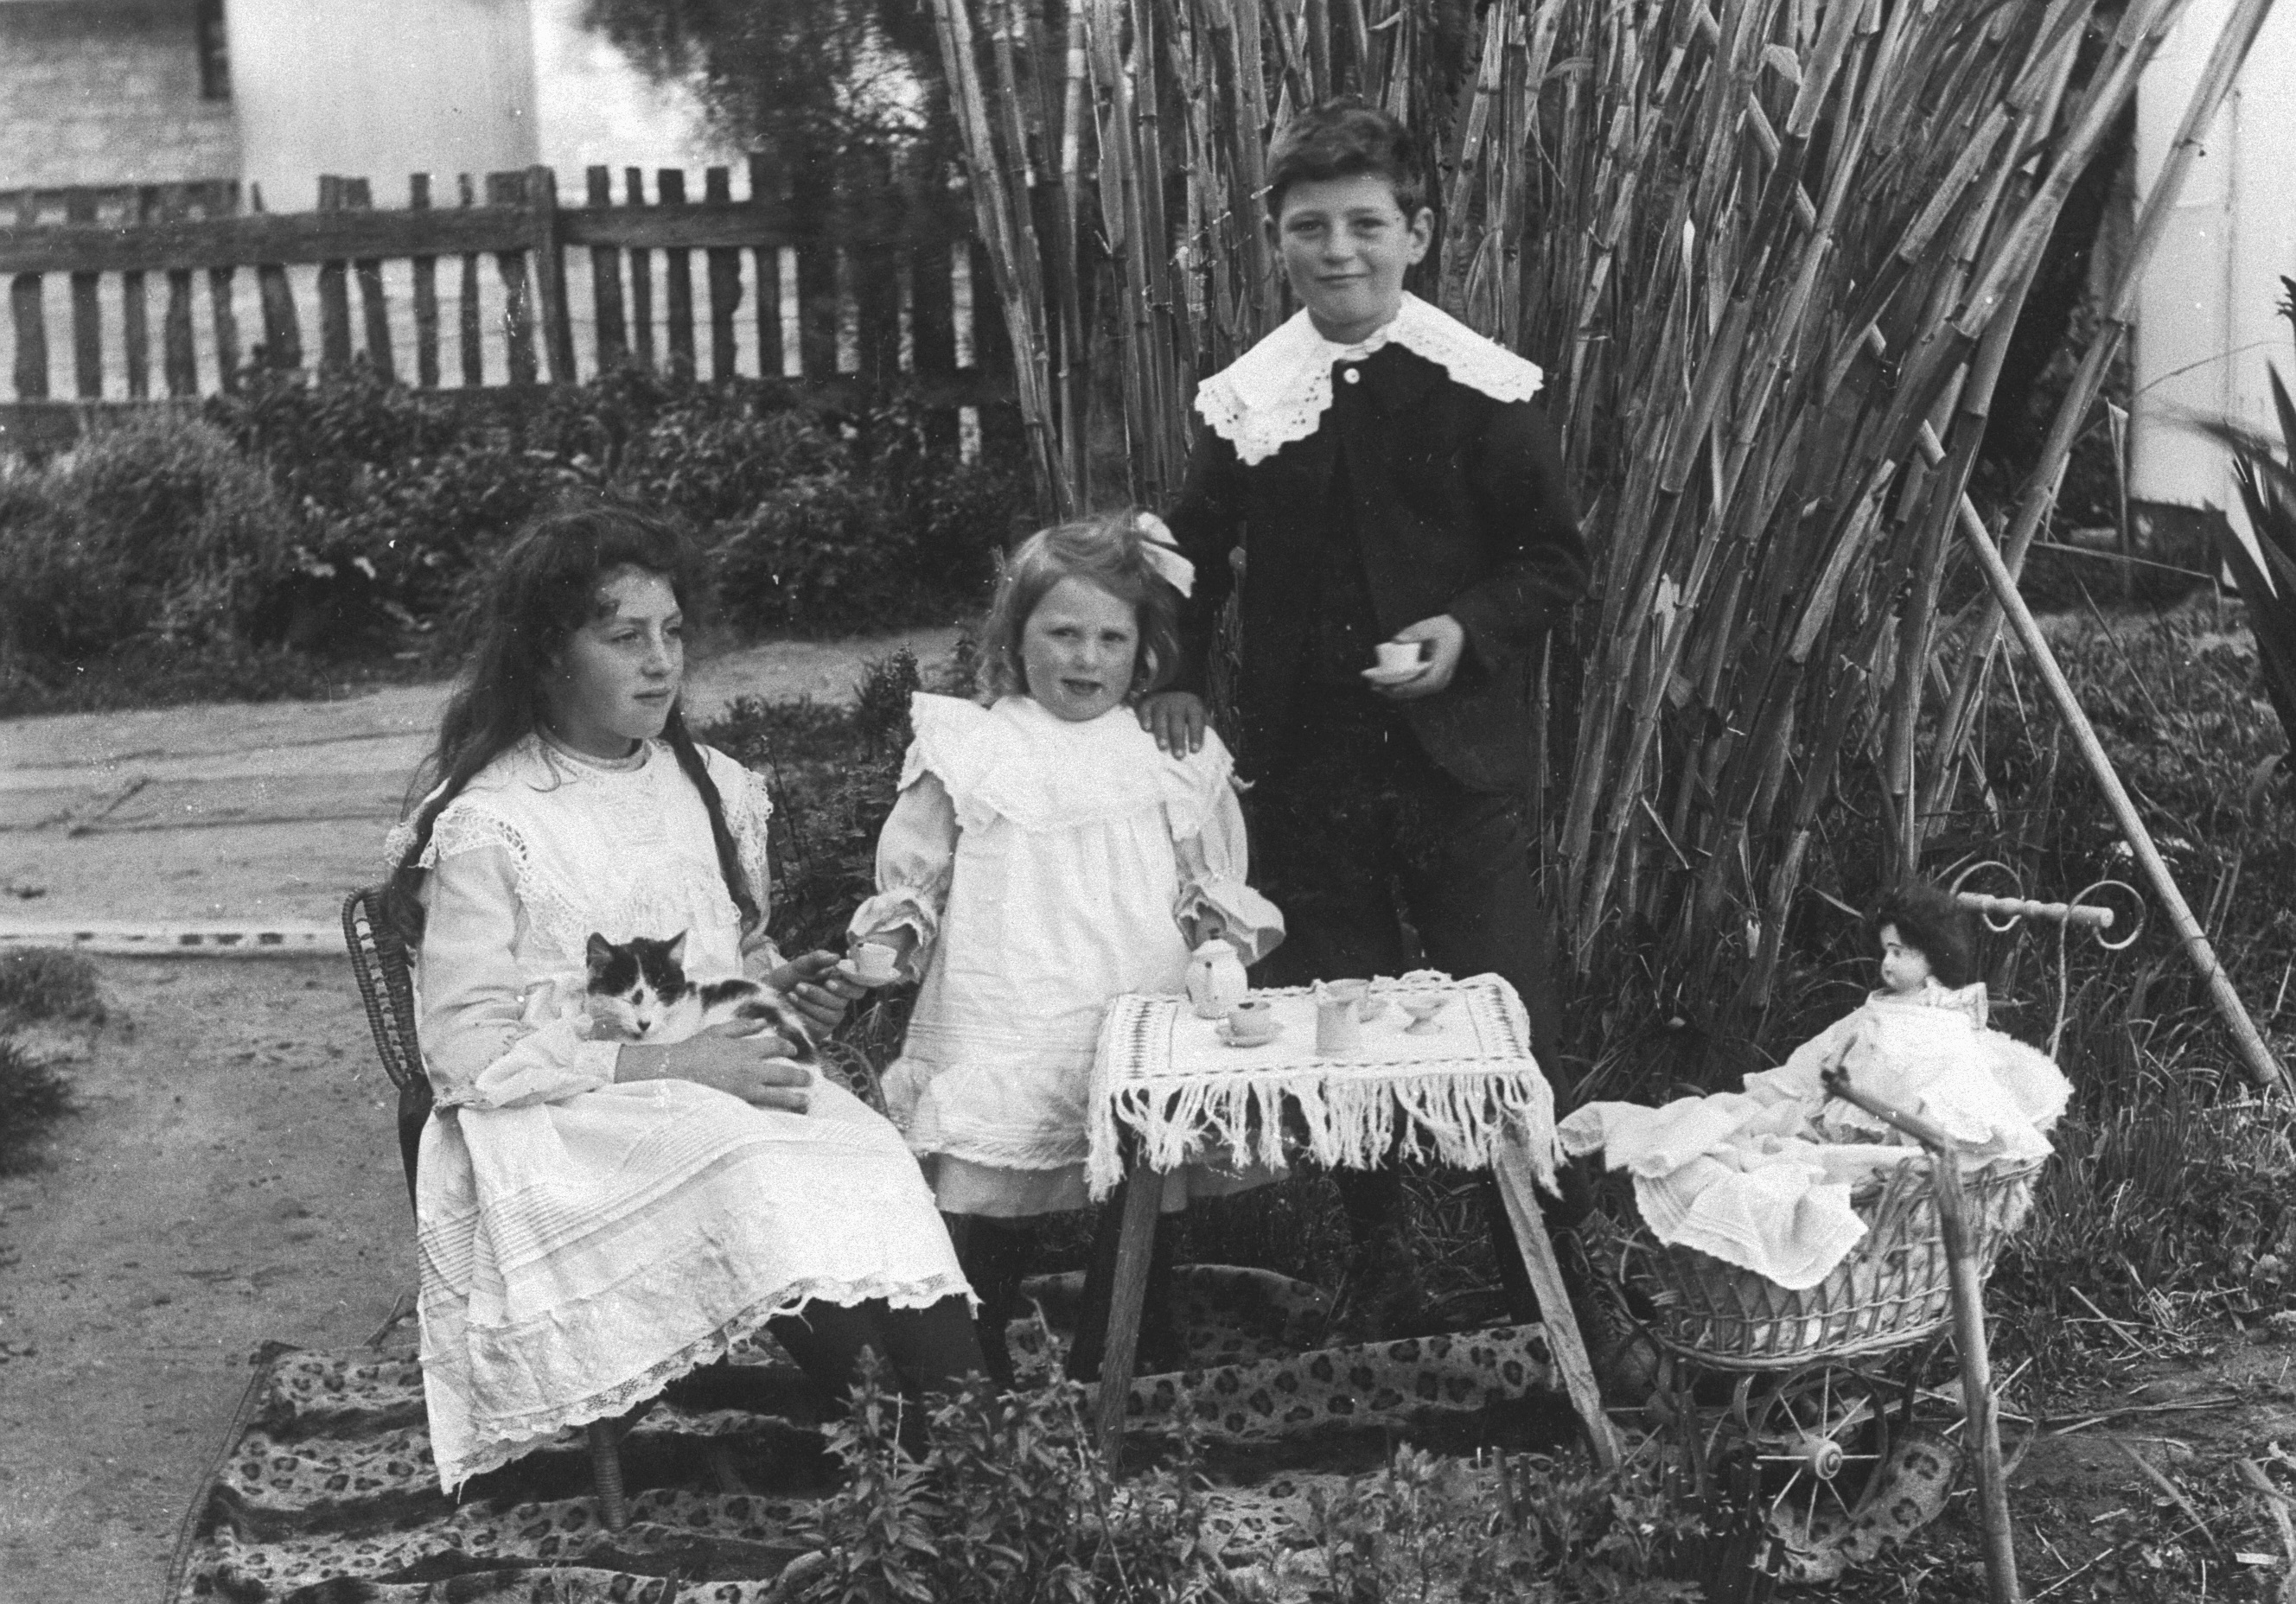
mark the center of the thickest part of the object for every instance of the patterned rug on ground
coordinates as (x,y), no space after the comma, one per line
(327,1494)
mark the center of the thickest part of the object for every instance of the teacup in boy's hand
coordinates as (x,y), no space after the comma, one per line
(1442,639)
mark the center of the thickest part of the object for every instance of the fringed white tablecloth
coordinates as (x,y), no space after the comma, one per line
(1457,1093)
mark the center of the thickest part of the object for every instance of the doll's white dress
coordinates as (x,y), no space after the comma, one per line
(1045,867)
(582,1242)
(1929,1052)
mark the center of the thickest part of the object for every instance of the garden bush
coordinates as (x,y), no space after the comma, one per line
(338,515)
(820,521)
(152,528)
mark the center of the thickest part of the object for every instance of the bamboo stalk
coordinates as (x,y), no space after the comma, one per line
(2040,492)
(2257,1059)
(1979,1404)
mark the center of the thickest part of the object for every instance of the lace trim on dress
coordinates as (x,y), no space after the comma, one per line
(561,915)
(1278,391)
(748,808)
(1017,762)
(531,1431)
(1971,1000)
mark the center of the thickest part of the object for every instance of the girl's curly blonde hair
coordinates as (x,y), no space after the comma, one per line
(1108,550)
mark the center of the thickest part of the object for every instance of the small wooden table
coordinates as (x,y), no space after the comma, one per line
(1167,1091)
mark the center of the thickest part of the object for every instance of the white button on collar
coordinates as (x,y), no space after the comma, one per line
(1352,374)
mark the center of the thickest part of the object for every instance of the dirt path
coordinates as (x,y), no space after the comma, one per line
(232,1178)
(272,811)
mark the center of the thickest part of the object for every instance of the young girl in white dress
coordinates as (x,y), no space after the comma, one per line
(1045,856)
(596,1218)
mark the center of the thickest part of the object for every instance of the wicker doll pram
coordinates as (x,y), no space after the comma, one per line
(1891,1292)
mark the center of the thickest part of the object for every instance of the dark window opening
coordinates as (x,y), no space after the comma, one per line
(215,53)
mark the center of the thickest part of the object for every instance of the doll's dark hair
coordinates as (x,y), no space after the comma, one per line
(546,585)
(1109,550)
(1932,922)
(1346,138)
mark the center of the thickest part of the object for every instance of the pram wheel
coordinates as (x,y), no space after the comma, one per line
(1820,1436)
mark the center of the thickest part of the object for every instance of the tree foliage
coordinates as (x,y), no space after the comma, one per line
(805,79)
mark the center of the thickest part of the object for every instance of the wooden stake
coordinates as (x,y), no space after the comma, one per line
(1979,1405)
(1142,1198)
(1519,1190)
(2256,1056)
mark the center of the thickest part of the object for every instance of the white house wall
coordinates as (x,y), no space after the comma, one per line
(380,90)
(2207,314)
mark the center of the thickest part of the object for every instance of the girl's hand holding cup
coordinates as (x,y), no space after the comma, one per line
(878,962)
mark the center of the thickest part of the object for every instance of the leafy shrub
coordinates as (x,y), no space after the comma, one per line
(819,522)
(1009,1503)
(154,527)
(32,1097)
(2265,470)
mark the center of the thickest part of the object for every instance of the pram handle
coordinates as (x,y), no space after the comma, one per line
(2082,914)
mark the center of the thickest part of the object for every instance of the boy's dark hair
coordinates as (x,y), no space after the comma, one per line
(1346,138)
(1932,922)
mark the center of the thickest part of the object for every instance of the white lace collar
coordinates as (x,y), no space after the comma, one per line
(1276,392)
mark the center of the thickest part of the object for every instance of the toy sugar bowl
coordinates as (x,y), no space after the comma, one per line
(1216,979)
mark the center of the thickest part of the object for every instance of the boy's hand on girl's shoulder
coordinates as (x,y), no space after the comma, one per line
(1176,718)
(1446,643)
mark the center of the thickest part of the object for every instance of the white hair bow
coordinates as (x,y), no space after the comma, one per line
(1162,553)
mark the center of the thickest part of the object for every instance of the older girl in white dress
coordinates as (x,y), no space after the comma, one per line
(1045,858)
(596,1218)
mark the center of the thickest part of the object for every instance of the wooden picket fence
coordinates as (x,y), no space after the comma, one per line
(851,276)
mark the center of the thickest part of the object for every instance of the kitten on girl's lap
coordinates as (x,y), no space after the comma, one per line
(638,992)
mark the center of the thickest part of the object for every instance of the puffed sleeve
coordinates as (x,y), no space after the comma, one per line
(1215,861)
(915,851)
(489,1041)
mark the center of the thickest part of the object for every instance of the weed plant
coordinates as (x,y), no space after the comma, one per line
(37,986)
(1526,1528)
(1008,1502)
(40,983)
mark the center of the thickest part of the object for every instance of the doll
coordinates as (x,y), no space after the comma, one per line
(1921,1042)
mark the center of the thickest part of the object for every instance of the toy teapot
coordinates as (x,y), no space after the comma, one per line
(1216,979)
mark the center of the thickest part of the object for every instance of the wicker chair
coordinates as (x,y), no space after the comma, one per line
(386,983)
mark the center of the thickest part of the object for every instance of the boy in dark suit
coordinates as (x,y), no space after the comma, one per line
(1391,477)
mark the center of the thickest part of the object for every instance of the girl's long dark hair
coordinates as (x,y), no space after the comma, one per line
(544,588)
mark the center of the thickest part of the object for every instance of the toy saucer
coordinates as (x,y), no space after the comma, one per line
(1228,1037)
(1388,677)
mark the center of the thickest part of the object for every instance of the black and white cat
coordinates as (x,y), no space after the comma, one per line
(638,992)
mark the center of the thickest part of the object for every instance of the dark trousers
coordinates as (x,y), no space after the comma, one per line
(1355,830)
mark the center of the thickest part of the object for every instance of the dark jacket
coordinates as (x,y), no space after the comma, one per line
(1459,507)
